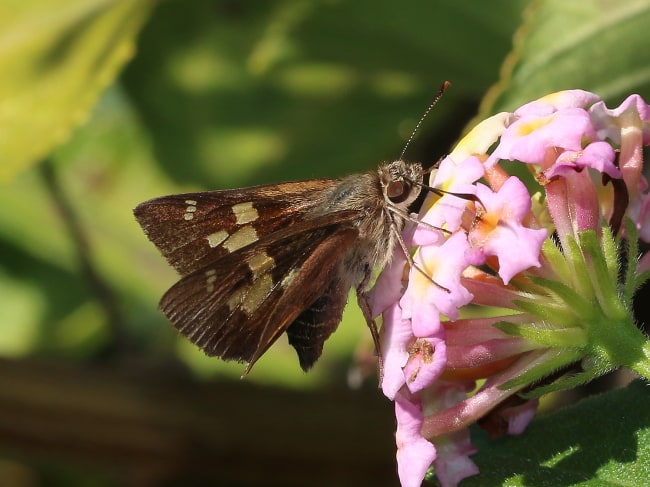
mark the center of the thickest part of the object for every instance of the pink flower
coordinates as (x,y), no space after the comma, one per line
(557,101)
(396,342)
(538,263)
(434,285)
(452,177)
(598,155)
(414,453)
(530,138)
(500,221)
(629,126)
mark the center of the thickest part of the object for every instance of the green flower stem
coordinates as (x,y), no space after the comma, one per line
(642,365)
(621,343)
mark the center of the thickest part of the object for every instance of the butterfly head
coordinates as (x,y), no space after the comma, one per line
(401,182)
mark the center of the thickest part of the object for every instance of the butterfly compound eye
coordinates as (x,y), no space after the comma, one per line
(397,191)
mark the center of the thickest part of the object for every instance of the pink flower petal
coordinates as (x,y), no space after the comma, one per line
(608,122)
(501,227)
(446,211)
(425,298)
(529,138)
(414,453)
(557,101)
(388,286)
(427,361)
(397,336)
(452,463)
(519,417)
(597,155)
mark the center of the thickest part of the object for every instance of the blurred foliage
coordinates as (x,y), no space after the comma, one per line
(60,55)
(229,93)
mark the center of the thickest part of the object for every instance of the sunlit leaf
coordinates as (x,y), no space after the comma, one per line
(595,45)
(600,441)
(56,56)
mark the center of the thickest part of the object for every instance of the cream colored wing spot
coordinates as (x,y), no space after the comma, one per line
(245,213)
(288,278)
(211,278)
(241,238)
(217,238)
(249,298)
(257,292)
(190,209)
(260,264)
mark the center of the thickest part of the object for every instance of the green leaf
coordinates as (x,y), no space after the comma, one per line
(600,441)
(56,57)
(593,45)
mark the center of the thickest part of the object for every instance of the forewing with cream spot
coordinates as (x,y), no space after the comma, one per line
(193,230)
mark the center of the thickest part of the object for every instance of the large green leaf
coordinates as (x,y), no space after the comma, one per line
(56,56)
(601,441)
(595,45)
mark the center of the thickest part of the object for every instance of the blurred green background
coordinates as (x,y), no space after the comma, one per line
(107,103)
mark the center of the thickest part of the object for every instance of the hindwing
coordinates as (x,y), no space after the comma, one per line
(240,303)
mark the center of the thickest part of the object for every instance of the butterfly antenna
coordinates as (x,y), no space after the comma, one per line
(433,103)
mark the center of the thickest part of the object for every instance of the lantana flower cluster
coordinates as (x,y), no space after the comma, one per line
(517,275)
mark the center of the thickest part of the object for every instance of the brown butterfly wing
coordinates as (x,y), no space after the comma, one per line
(311,307)
(194,229)
(240,303)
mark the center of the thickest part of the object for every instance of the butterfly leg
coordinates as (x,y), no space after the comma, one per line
(362,299)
